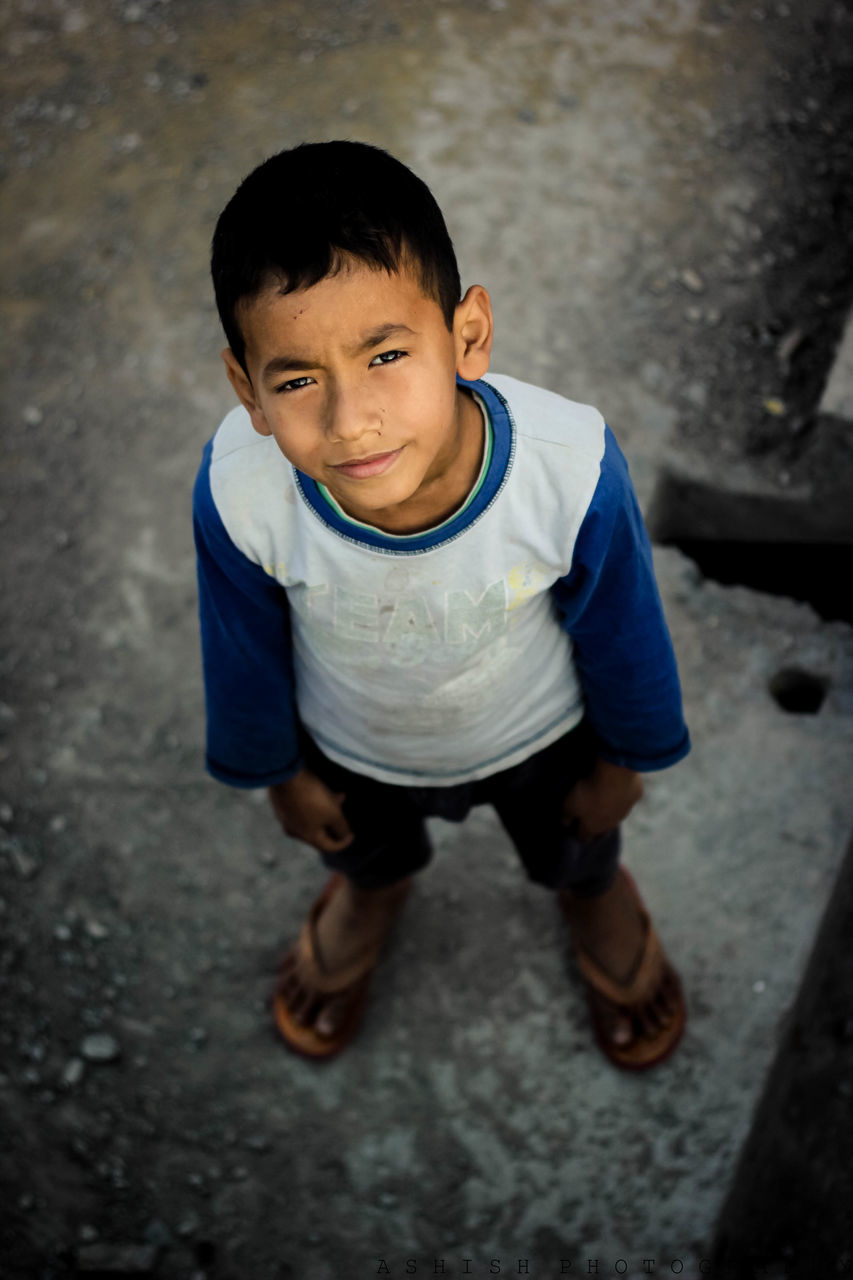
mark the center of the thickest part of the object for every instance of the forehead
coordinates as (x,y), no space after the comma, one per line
(337,310)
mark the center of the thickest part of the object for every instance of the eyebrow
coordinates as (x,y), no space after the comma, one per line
(374,338)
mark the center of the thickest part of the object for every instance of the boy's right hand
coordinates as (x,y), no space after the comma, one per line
(310,811)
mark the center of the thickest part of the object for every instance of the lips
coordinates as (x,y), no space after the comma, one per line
(375,464)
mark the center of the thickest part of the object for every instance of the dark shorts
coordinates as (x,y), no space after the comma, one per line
(391,841)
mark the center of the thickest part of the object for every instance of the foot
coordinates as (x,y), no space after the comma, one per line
(613,929)
(352,926)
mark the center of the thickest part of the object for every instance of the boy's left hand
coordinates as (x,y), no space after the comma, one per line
(598,803)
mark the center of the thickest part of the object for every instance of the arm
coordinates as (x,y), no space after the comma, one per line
(610,606)
(252,723)
(252,726)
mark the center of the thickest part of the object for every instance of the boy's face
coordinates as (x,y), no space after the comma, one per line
(356,380)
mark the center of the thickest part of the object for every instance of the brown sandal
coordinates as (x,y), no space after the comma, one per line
(641,1053)
(353,981)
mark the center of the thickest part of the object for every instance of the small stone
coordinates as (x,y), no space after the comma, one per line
(258,1142)
(7,813)
(96,930)
(759,986)
(26,1201)
(188,1225)
(72,1073)
(25,864)
(158,1233)
(198,1035)
(692,280)
(57,824)
(697,393)
(32,415)
(100,1047)
(87,1234)
(62,933)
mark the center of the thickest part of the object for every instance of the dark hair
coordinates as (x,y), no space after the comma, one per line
(297,217)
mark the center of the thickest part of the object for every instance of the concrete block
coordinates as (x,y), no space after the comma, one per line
(838,394)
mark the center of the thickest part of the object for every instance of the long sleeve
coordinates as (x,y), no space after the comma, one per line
(610,606)
(252,726)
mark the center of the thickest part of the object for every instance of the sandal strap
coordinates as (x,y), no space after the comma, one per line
(640,985)
(321,978)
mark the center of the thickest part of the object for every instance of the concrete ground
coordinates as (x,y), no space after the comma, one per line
(657,195)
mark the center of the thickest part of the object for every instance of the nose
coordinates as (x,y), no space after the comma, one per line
(350,415)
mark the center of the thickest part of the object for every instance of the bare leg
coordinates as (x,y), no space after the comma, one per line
(352,923)
(610,927)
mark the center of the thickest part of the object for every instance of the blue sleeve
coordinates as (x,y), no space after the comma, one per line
(610,606)
(252,727)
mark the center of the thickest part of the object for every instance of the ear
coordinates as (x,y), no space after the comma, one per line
(473,328)
(242,384)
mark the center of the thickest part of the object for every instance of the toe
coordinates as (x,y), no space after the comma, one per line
(670,994)
(617,1027)
(621,1032)
(662,1008)
(330,1016)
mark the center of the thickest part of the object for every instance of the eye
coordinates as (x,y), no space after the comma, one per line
(293,385)
(388,357)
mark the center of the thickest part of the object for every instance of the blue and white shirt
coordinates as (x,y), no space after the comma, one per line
(438,657)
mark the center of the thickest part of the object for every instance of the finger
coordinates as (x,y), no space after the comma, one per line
(328,843)
(570,816)
(337,828)
(570,805)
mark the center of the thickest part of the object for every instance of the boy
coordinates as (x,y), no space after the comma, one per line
(420,590)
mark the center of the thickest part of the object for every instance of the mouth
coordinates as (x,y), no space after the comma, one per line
(374,464)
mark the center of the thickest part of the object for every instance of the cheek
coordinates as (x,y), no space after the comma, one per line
(295,434)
